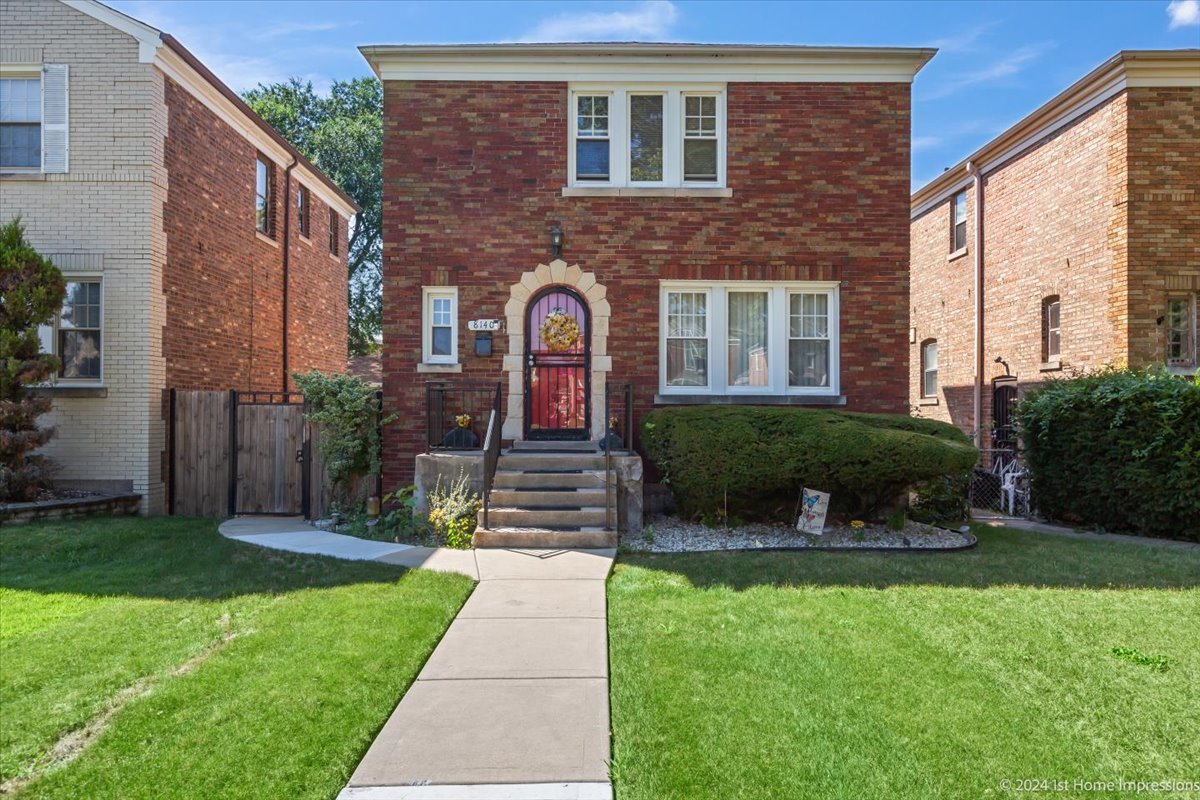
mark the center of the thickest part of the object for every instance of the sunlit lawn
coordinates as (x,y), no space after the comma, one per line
(188,665)
(822,675)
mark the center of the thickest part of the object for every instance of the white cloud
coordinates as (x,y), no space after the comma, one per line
(1006,67)
(925,142)
(293,28)
(962,42)
(1183,13)
(648,20)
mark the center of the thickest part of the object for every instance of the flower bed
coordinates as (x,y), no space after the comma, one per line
(673,535)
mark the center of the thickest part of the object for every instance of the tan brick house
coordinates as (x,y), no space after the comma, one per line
(200,249)
(709,223)
(1070,241)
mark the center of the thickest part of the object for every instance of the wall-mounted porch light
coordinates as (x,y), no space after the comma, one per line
(556,241)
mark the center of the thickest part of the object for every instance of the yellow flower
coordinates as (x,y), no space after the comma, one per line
(857,523)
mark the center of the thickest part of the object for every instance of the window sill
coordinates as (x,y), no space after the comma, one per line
(263,237)
(306,239)
(21,175)
(750,399)
(957,254)
(646,191)
(423,367)
(67,390)
(1050,366)
(1177,370)
(927,401)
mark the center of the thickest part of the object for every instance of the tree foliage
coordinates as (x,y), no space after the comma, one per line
(31,291)
(342,134)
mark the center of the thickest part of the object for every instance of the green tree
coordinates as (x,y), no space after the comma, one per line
(342,134)
(31,291)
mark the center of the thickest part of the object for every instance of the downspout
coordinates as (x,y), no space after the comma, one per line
(977,248)
(287,250)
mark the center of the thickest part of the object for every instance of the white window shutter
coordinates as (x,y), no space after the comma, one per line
(46,338)
(55,104)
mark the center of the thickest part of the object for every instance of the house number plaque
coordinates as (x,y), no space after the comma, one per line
(483,325)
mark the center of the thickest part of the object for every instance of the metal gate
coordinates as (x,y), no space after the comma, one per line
(557,366)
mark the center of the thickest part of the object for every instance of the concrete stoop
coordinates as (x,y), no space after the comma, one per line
(550,494)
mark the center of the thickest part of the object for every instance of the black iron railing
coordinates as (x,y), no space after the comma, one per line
(491,453)
(457,414)
(618,435)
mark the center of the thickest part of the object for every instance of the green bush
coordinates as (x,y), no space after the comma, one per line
(1119,449)
(757,459)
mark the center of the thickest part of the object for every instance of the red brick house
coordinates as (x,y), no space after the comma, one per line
(1070,241)
(722,223)
(201,250)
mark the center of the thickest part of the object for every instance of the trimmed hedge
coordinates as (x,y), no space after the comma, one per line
(1119,449)
(759,458)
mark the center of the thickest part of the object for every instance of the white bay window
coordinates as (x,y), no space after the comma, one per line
(778,338)
(645,136)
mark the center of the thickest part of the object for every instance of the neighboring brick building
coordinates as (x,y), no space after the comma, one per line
(134,169)
(733,225)
(1088,251)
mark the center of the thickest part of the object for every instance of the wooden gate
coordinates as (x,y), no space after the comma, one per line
(239,453)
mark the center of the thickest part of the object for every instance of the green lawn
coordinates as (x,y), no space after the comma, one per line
(156,659)
(823,675)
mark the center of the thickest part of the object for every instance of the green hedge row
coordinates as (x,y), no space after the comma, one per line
(758,458)
(1119,449)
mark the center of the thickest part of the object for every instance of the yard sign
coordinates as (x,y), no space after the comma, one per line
(813,507)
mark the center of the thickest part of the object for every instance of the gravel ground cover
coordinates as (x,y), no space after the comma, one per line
(673,535)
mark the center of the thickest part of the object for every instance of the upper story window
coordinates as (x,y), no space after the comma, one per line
(958,225)
(748,338)
(929,368)
(1181,331)
(21,123)
(335,232)
(1051,329)
(263,218)
(303,211)
(650,136)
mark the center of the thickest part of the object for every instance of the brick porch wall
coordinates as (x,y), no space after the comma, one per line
(473,174)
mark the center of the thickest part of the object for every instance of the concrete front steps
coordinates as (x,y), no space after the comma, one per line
(548,494)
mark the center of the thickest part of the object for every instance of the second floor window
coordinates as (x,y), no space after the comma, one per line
(335,232)
(262,197)
(1051,329)
(958,227)
(302,211)
(651,137)
(21,123)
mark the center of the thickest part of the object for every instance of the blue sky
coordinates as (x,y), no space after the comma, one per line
(997,60)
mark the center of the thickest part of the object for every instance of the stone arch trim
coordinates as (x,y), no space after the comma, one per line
(556,273)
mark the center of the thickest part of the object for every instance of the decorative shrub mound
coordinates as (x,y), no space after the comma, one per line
(1117,448)
(758,458)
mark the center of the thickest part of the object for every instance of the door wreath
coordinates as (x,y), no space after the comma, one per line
(559,332)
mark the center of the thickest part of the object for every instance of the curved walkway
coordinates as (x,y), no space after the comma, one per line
(513,702)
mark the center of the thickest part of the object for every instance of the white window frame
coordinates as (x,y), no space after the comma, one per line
(619,132)
(1189,360)
(428,295)
(27,72)
(51,329)
(777,343)
(925,369)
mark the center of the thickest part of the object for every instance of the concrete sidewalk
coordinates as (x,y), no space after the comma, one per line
(513,702)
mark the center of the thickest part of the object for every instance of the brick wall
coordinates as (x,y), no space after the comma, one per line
(1164,210)
(473,174)
(224,279)
(1103,213)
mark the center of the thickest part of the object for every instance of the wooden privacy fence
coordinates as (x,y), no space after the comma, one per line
(245,453)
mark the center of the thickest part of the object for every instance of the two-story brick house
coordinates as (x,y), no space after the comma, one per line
(711,223)
(1068,242)
(201,250)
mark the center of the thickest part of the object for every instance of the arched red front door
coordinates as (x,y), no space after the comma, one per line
(557,365)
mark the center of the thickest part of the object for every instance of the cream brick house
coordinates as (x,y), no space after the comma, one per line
(110,128)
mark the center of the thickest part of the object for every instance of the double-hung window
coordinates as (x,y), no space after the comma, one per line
(929,368)
(647,136)
(440,328)
(778,339)
(263,211)
(335,232)
(75,334)
(958,225)
(303,207)
(21,123)
(1181,331)
(1051,329)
